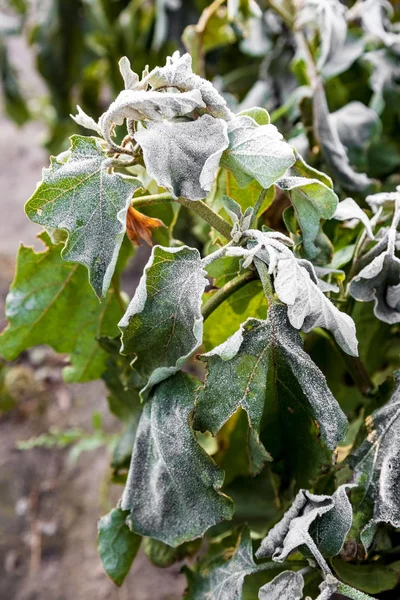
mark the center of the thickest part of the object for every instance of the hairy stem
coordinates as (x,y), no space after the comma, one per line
(265,278)
(227,290)
(197,206)
(257,207)
(350,592)
(205,212)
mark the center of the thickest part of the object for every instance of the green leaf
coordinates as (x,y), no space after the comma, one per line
(78,194)
(223,579)
(260,115)
(51,302)
(376,465)
(163,324)
(263,369)
(117,545)
(256,152)
(286,586)
(313,198)
(371,578)
(173,485)
(226,319)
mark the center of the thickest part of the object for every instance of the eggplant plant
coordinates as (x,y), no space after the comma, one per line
(254,369)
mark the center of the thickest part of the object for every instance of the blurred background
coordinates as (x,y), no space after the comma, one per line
(54,54)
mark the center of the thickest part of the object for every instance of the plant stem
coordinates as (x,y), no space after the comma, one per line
(227,290)
(257,207)
(262,271)
(152,199)
(282,12)
(358,373)
(205,212)
(197,206)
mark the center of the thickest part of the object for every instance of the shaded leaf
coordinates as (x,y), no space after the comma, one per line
(173,485)
(332,148)
(117,545)
(80,196)
(163,324)
(51,302)
(183,156)
(311,193)
(372,578)
(376,465)
(286,586)
(263,369)
(223,579)
(256,152)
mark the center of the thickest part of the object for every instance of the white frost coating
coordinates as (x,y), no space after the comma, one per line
(131,79)
(178,74)
(348,210)
(376,465)
(297,286)
(318,521)
(285,586)
(256,152)
(329,18)
(231,347)
(183,156)
(382,199)
(178,318)
(85,121)
(141,105)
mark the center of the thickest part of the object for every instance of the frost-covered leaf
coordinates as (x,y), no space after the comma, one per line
(78,194)
(308,308)
(223,579)
(51,302)
(330,21)
(332,148)
(131,79)
(184,156)
(379,280)
(385,72)
(356,124)
(117,545)
(84,120)
(263,369)
(141,105)
(163,325)
(178,74)
(311,193)
(376,465)
(256,152)
(286,586)
(173,486)
(348,209)
(321,523)
(372,14)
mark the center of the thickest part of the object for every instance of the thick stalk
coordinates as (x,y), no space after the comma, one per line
(257,207)
(197,206)
(227,290)
(265,278)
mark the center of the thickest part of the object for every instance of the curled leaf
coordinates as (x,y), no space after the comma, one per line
(348,210)
(139,226)
(285,586)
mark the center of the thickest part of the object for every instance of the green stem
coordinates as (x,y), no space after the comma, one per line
(152,199)
(205,212)
(257,207)
(227,290)
(282,12)
(358,373)
(197,206)
(265,278)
